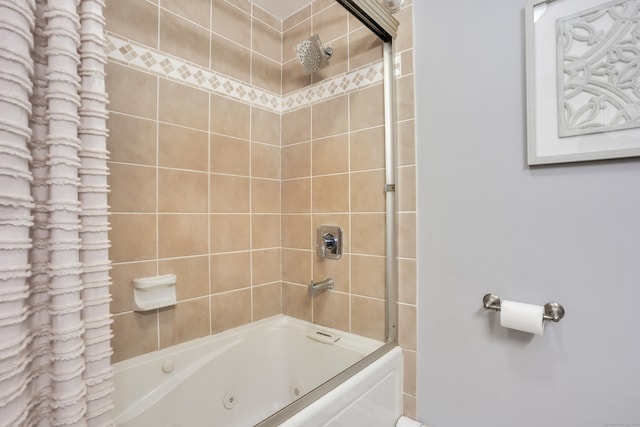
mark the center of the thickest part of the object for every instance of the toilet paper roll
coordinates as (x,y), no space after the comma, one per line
(407,422)
(522,317)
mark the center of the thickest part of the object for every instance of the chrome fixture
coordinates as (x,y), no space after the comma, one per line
(312,55)
(552,310)
(315,288)
(329,241)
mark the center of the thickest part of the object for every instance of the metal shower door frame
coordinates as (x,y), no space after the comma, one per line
(378,19)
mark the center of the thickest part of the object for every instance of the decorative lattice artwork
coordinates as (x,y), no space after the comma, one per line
(598,75)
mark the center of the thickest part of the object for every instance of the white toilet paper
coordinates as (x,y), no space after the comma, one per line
(523,317)
(407,422)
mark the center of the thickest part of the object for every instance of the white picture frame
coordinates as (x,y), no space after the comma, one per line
(594,128)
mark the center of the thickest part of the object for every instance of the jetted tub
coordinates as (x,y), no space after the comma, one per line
(239,377)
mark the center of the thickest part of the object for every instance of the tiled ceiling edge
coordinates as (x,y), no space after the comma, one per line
(163,65)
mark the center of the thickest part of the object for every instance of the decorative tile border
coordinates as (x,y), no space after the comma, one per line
(173,68)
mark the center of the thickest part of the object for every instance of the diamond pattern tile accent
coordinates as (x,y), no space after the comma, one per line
(167,66)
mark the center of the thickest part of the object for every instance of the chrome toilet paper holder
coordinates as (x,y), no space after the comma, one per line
(552,310)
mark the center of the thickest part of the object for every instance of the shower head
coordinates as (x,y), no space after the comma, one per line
(312,55)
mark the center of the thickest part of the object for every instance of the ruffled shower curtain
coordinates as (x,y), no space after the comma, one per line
(54,269)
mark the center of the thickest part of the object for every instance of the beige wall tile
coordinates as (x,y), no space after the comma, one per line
(230,117)
(265,195)
(295,231)
(266,266)
(330,117)
(367,234)
(265,126)
(406,62)
(230,310)
(184,39)
(296,126)
(266,41)
(296,266)
(182,191)
(266,73)
(367,317)
(409,374)
(265,161)
(296,196)
(134,334)
(407,282)
(131,139)
(229,194)
(296,18)
(244,5)
(367,191)
(405,35)
(293,36)
(331,23)
(230,233)
(229,155)
(319,5)
(367,107)
(184,321)
(183,105)
(406,189)
(133,237)
(182,235)
(367,149)
(230,59)
(295,302)
(133,188)
(267,301)
(294,77)
(364,48)
(131,91)
(409,406)
(184,148)
(406,235)
(405,98)
(337,269)
(406,143)
(330,155)
(331,309)
(268,19)
(122,276)
(192,275)
(296,161)
(368,276)
(230,271)
(265,231)
(330,193)
(407,326)
(137,20)
(197,11)
(231,22)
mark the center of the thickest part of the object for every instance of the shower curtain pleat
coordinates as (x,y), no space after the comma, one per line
(54,282)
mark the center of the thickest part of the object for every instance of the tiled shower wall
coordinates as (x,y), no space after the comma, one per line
(226,191)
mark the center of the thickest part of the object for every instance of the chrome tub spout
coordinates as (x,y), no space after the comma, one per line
(316,288)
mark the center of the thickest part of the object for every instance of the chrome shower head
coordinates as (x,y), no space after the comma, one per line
(312,55)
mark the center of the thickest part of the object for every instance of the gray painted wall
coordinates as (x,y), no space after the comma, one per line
(489,223)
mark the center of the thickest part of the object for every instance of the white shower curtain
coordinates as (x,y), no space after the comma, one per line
(54,281)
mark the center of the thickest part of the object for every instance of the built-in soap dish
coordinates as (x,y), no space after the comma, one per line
(154,292)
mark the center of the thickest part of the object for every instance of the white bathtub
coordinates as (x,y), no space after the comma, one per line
(240,377)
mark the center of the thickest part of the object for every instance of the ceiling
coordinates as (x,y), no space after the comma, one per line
(282,9)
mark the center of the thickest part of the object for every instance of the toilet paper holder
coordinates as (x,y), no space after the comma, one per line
(552,310)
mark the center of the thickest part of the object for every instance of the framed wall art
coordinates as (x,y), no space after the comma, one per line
(583,80)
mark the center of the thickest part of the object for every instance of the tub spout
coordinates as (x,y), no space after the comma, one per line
(316,288)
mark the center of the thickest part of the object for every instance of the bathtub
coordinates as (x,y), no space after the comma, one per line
(241,377)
